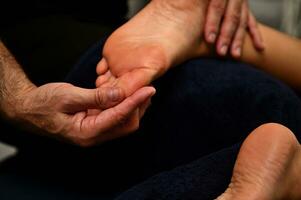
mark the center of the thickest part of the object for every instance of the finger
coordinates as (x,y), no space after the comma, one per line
(119,114)
(255,33)
(144,107)
(129,125)
(102,67)
(229,26)
(240,33)
(79,99)
(215,14)
(124,128)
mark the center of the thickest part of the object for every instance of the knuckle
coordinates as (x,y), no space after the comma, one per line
(226,36)
(234,18)
(49,123)
(99,97)
(237,41)
(67,99)
(243,25)
(218,7)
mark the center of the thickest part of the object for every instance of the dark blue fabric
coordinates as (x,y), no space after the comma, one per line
(111,12)
(204,178)
(202,111)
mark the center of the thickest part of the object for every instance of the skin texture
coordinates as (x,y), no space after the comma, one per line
(81,116)
(267,167)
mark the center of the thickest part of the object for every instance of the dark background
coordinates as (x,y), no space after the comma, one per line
(47,37)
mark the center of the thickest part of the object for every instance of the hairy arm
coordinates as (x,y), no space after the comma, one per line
(281,57)
(13,83)
(81,116)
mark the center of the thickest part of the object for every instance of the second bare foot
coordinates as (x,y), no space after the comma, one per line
(268,166)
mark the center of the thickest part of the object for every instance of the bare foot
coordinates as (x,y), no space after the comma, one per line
(268,166)
(164,33)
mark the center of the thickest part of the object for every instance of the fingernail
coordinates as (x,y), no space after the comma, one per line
(238,51)
(153,92)
(115,94)
(224,49)
(212,37)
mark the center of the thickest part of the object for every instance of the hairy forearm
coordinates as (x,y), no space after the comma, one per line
(13,83)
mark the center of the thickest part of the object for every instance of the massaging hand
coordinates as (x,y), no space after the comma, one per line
(226,24)
(82,116)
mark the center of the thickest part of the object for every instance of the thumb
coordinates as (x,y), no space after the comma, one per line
(113,117)
(79,99)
